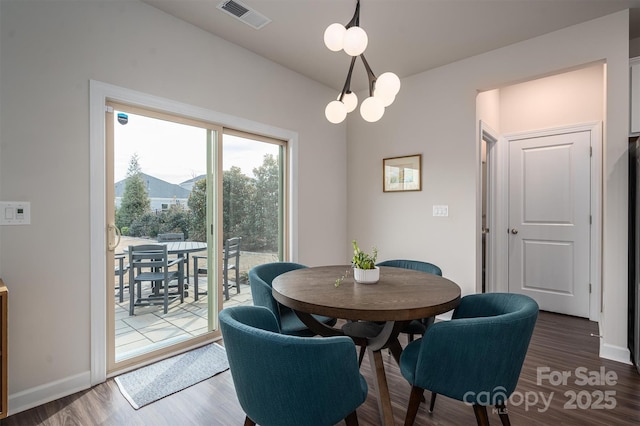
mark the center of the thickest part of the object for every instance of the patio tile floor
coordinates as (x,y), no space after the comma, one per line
(150,327)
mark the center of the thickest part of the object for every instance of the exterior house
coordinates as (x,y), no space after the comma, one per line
(162,194)
(51,51)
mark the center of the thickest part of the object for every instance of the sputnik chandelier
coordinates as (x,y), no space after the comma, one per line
(382,90)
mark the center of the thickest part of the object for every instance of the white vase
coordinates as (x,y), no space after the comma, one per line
(366,276)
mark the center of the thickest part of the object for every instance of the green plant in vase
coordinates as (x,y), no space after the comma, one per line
(360,260)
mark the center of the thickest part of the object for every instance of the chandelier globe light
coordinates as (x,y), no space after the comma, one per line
(387,85)
(355,41)
(334,37)
(350,100)
(382,90)
(335,112)
(372,109)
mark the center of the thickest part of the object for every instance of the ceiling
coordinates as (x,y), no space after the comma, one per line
(405,36)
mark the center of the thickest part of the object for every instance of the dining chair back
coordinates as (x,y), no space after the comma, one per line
(283,380)
(476,357)
(150,263)
(366,329)
(419,326)
(260,279)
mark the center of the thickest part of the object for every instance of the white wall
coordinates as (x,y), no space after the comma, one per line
(49,51)
(564,99)
(435,115)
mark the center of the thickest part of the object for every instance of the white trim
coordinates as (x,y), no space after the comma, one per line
(492,270)
(502,217)
(33,397)
(97,232)
(595,129)
(596,226)
(99,94)
(612,352)
(615,353)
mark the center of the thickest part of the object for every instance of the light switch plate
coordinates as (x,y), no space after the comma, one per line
(15,213)
(440,210)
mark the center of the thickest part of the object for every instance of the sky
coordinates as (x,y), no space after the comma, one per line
(176,152)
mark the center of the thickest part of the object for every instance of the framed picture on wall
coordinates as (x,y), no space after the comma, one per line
(402,173)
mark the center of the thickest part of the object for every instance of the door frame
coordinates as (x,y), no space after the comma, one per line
(213,157)
(492,254)
(99,94)
(501,261)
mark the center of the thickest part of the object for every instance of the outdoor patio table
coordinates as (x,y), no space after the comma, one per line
(401,295)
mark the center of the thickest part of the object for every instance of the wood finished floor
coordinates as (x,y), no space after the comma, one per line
(559,342)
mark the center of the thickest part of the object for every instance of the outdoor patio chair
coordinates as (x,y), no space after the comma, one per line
(260,280)
(169,237)
(285,380)
(120,269)
(476,357)
(230,261)
(151,263)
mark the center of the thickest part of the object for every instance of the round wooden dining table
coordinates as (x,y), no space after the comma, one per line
(401,295)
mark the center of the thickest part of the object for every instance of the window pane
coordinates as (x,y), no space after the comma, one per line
(252,198)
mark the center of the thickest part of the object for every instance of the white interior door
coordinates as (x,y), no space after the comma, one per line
(549,221)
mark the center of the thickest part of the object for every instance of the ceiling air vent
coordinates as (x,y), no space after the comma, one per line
(243,13)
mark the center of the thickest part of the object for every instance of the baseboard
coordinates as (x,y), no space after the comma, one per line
(615,353)
(48,392)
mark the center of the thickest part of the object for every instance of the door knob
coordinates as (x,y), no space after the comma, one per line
(514,231)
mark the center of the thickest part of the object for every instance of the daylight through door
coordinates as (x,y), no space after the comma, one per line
(205,193)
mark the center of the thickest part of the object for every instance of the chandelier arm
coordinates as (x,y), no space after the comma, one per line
(347,84)
(355,21)
(370,75)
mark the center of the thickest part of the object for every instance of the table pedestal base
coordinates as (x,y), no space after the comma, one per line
(382,388)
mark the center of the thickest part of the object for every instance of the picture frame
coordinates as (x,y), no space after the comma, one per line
(402,173)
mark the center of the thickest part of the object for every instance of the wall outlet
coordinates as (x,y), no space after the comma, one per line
(441,211)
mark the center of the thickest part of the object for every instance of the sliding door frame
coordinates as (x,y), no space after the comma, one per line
(100,93)
(214,245)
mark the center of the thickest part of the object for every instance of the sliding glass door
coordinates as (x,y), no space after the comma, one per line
(214,196)
(254,201)
(162,188)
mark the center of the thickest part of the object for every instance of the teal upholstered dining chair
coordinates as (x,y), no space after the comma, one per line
(285,380)
(260,280)
(476,357)
(418,326)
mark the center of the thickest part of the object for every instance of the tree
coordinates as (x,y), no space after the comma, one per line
(197,203)
(175,219)
(237,196)
(266,204)
(249,207)
(135,199)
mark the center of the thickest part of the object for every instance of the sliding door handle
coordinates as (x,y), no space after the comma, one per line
(113,230)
